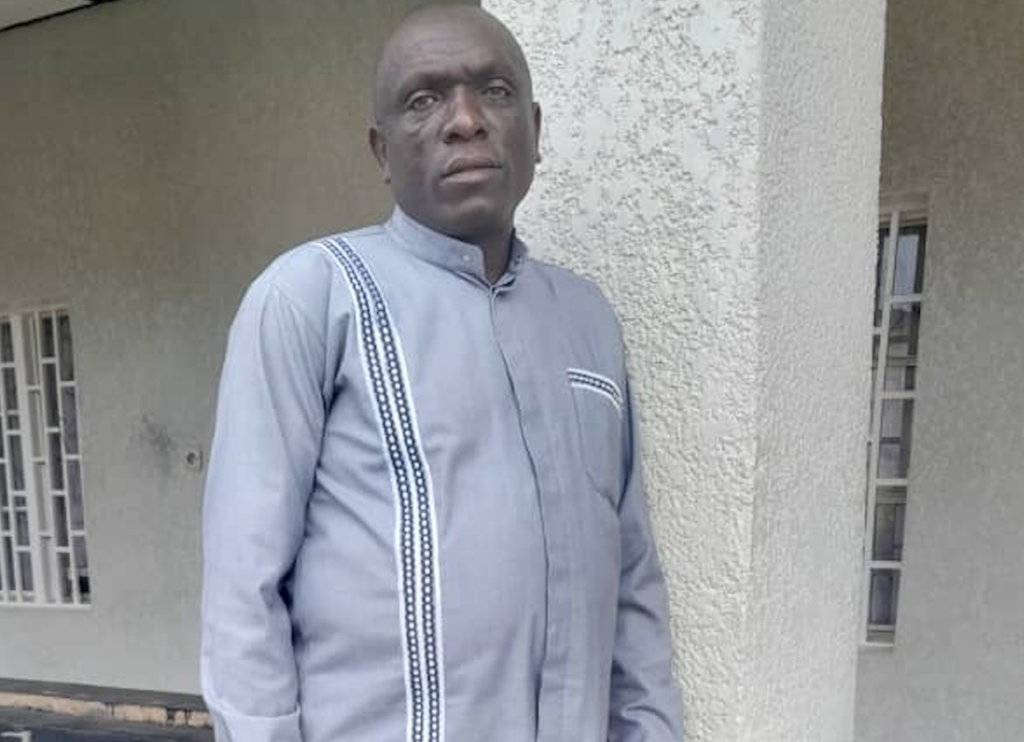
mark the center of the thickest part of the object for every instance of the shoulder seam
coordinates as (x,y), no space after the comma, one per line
(280,292)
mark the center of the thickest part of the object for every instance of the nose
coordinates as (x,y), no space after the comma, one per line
(465,117)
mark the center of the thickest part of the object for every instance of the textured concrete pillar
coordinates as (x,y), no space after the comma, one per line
(713,164)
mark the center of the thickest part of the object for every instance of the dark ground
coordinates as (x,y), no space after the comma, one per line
(17,725)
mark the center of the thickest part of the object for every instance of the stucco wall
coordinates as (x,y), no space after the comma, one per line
(820,144)
(647,185)
(692,167)
(153,157)
(954,130)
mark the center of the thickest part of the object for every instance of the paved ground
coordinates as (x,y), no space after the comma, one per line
(33,726)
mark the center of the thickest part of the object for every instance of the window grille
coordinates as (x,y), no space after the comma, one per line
(43,556)
(898,282)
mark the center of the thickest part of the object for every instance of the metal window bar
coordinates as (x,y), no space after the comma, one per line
(15,538)
(882,491)
(37,350)
(29,556)
(9,590)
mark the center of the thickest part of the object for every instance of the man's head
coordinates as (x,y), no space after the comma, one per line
(456,126)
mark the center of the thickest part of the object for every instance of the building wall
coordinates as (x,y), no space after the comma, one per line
(818,188)
(714,167)
(954,131)
(153,157)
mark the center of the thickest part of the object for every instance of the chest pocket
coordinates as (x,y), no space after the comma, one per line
(599,409)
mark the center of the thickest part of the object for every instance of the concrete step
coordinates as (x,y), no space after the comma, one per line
(165,709)
(22,725)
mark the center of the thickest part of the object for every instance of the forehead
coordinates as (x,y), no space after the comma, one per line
(462,48)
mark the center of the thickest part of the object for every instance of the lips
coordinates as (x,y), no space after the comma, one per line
(467,164)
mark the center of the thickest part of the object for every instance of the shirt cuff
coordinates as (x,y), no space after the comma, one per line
(231,726)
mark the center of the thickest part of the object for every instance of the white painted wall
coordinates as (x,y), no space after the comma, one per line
(820,142)
(714,166)
(954,130)
(153,157)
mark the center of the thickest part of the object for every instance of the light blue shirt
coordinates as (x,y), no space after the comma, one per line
(424,517)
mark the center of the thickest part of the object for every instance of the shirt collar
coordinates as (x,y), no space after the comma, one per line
(447,252)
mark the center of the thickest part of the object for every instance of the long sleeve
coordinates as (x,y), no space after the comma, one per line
(270,418)
(645,702)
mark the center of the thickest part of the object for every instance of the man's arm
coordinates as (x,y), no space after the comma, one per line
(270,418)
(645,703)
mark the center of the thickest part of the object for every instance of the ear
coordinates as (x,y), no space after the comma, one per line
(379,147)
(536,129)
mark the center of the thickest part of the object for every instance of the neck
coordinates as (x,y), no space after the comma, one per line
(497,248)
(496,253)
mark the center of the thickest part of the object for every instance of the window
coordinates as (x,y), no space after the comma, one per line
(898,281)
(43,559)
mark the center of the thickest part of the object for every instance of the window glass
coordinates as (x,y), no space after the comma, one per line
(6,343)
(888,544)
(908,274)
(885,585)
(894,443)
(67,367)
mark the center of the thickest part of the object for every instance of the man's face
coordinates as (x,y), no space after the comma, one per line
(457,128)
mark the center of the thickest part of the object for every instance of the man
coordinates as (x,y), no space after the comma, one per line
(424,515)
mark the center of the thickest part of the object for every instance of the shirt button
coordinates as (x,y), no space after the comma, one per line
(466,258)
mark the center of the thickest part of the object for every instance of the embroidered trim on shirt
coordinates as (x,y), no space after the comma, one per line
(583,379)
(416,550)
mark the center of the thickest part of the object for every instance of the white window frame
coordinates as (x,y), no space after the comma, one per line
(895,214)
(59,570)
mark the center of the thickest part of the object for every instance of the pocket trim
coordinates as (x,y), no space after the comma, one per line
(582,379)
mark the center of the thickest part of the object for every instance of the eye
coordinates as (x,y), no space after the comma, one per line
(422,100)
(497,90)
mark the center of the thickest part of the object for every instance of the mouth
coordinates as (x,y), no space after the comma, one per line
(469,164)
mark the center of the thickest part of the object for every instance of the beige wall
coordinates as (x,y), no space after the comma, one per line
(954,131)
(153,157)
